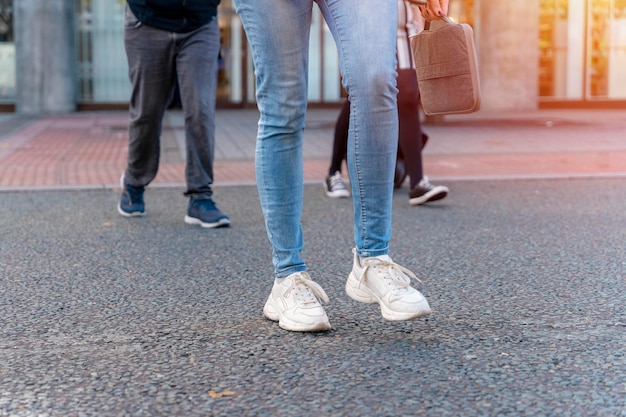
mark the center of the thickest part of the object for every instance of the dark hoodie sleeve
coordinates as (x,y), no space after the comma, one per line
(174,15)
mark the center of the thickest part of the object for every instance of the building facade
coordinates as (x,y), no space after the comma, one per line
(64,55)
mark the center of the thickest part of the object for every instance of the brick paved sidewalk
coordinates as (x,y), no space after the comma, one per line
(89,150)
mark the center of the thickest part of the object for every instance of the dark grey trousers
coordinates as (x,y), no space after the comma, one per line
(156,59)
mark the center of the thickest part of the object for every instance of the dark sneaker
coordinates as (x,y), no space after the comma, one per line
(425,192)
(204,212)
(131,201)
(334,186)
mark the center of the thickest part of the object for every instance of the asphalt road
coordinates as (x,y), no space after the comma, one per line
(107,316)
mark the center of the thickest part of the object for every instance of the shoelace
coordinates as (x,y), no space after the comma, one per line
(336,183)
(207,205)
(306,290)
(397,275)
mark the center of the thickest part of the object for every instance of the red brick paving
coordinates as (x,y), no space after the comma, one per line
(79,151)
(85,150)
(528,165)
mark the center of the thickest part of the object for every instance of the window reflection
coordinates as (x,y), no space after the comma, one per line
(582,49)
(7,51)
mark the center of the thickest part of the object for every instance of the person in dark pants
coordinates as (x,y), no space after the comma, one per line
(334,186)
(410,135)
(169,43)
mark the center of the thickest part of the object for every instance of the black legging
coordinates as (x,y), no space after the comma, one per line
(410,135)
(340,144)
(410,138)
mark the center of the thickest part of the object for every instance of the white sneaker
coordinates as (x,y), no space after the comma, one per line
(294,304)
(380,280)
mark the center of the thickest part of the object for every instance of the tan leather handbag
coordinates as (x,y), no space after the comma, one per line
(447,68)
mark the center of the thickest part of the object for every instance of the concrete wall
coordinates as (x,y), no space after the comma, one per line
(506,34)
(44,38)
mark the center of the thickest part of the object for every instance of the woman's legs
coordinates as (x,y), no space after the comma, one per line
(340,142)
(410,128)
(278,34)
(365,32)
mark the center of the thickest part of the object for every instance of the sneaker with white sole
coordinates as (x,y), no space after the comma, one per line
(382,281)
(335,187)
(295,304)
(425,192)
(204,213)
(131,202)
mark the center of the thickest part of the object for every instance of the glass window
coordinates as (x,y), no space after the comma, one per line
(102,64)
(7,52)
(608,22)
(324,74)
(230,87)
(582,49)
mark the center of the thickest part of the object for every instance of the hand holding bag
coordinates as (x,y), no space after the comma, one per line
(447,68)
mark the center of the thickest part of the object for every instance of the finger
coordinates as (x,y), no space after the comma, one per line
(444,6)
(436,8)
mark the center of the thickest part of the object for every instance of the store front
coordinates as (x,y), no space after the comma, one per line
(7,55)
(581,53)
(582,59)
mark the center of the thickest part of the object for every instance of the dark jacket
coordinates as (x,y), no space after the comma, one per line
(174,15)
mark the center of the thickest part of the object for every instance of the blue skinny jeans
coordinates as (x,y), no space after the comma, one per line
(365,34)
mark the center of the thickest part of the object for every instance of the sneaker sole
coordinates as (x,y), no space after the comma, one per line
(197,222)
(362,294)
(433,195)
(132,214)
(271,313)
(336,194)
